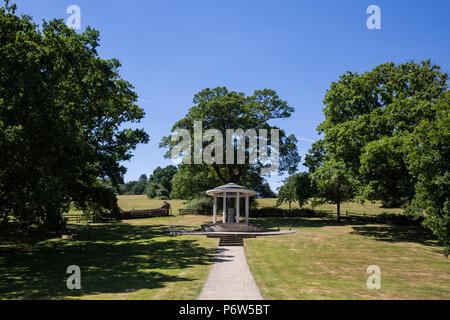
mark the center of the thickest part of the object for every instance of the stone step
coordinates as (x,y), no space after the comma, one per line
(221,244)
(231,240)
(231,245)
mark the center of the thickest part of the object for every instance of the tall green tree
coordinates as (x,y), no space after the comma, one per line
(222,109)
(191,182)
(334,184)
(264,191)
(297,187)
(62,115)
(304,188)
(155,190)
(428,158)
(368,118)
(287,193)
(160,182)
(136,187)
(164,176)
(316,155)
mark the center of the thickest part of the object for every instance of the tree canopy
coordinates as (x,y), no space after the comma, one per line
(221,109)
(286,193)
(160,182)
(297,187)
(386,138)
(428,158)
(334,184)
(62,115)
(368,118)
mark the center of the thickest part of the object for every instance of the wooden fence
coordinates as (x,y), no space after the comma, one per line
(146,213)
(203,212)
(125,215)
(77,218)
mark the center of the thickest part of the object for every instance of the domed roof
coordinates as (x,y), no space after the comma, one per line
(231,189)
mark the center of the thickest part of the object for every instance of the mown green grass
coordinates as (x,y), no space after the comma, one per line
(138,202)
(143,202)
(132,260)
(328,260)
(137,259)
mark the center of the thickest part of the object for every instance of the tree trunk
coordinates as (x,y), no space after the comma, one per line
(289,206)
(338,211)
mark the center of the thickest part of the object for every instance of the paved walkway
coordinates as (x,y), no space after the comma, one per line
(230,277)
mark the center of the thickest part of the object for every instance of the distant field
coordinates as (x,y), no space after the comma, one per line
(142,202)
(368,207)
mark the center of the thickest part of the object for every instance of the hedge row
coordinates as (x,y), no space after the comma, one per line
(279,213)
(393,218)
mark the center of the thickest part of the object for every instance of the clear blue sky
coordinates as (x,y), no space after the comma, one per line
(172,49)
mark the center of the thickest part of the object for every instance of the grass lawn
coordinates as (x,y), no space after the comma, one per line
(131,260)
(327,260)
(143,202)
(137,259)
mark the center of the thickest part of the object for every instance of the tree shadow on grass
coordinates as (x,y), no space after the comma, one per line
(365,227)
(297,222)
(398,233)
(113,259)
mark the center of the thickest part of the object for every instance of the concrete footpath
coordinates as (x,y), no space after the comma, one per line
(230,277)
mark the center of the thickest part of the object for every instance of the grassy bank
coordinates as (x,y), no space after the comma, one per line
(327,260)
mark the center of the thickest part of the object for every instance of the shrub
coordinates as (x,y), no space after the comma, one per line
(278,212)
(398,219)
(200,203)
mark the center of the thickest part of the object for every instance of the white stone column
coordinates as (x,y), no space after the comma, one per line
(215,210)
(237,207)
(246,209)
(224,207)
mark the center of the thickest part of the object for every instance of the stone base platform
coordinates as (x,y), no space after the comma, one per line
(220,230)
(232,227)
(212,234)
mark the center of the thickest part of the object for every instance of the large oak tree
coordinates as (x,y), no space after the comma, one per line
(387,133)
(62,110)
(428,158)
(222,109)
(368,118)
